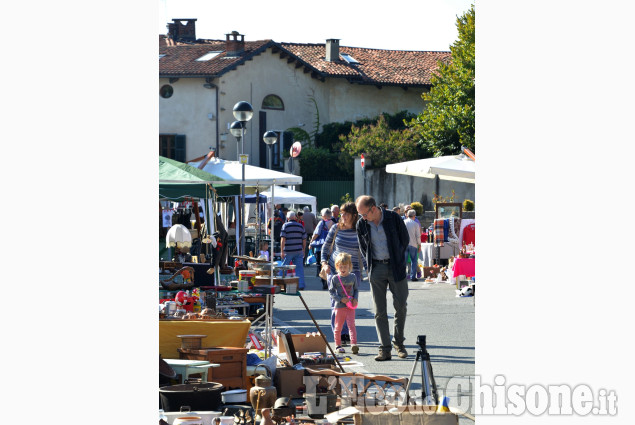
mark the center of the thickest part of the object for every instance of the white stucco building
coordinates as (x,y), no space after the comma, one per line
(201,81)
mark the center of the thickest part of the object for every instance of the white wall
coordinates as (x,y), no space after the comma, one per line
(351,102)
(185,112)
(394,189)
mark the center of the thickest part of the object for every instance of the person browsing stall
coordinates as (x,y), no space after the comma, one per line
(292,245)
(317,240)
(383,239)
(414,244)
(335,210)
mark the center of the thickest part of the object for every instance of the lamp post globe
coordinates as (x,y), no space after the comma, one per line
(236,129)
(243,111)
(270,138)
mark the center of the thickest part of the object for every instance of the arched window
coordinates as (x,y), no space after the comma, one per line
(272,102)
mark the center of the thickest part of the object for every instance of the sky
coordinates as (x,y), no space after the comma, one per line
(412,25)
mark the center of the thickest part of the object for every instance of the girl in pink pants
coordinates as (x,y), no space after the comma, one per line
(344,291)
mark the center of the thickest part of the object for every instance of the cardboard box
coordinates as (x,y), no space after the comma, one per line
(431,271)
(289,382)
(304,344)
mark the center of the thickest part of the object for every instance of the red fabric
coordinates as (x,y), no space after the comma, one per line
(469,234)
(464,266)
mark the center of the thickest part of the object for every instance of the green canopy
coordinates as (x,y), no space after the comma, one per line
(178,180)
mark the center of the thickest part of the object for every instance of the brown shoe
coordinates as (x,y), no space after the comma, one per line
(383,355)
(401,351)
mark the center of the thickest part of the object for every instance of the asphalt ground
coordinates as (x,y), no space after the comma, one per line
(434,310)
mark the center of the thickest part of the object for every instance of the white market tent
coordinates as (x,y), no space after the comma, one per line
(284,195)
(458,168)
(231,172)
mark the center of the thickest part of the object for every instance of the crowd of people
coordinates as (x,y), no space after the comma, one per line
(346,240)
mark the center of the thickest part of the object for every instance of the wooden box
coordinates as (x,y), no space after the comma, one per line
(278,281)
(232,372)
(289,382)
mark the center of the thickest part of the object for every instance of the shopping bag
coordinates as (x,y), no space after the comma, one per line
(310,259)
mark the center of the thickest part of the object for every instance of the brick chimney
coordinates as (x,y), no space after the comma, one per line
(234,46)
(332,49)
(182,30)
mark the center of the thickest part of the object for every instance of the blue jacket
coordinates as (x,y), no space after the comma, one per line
(397,237)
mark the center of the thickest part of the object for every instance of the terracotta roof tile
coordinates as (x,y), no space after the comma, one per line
(378,67)
(375,66)
(180,59)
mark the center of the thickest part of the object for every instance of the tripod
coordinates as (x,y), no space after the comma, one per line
(428,385)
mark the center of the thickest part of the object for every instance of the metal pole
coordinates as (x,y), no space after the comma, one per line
(269,309)
(320,331)
(242,193)
(270,155)
(271,238)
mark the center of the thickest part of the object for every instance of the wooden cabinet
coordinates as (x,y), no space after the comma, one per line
(232,372)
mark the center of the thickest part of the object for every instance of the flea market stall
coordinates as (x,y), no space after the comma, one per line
(452,238)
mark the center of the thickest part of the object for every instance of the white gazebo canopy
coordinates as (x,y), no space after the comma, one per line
(283,195)
(458,168)
(231,172)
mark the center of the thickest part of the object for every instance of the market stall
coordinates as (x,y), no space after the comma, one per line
(257,178)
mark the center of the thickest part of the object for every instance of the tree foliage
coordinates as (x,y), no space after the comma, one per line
(380,143)
(322,164)
(447,122)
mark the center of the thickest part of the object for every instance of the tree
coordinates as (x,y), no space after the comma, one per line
(380,143)
(447,122)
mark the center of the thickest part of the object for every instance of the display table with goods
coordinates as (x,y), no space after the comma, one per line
(464,266)
(305,389)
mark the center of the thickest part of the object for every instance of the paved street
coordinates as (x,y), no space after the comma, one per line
(433,310)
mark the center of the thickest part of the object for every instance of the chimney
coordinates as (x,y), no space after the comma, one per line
(332,49)
(182,30)
(233,46)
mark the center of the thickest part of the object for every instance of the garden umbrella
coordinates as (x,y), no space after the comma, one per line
(458,168)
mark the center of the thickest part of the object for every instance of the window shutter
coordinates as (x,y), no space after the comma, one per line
(179,147)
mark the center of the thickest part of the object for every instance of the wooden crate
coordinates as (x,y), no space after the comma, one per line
(233,360)
(278,281)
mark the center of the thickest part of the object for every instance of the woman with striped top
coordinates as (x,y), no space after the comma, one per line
(345,241)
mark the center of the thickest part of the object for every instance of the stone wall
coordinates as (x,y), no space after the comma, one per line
(395,189)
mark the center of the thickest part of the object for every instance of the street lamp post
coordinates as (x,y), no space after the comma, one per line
(270,138)
(243,112)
